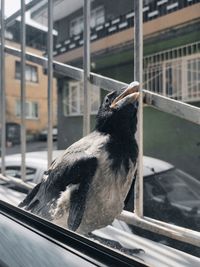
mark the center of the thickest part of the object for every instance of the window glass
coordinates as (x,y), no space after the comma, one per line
(28,73)
(74,91)
(31,109)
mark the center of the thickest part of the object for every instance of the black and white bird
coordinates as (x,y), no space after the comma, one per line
(85,188)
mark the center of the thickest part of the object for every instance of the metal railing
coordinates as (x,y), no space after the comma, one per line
(165,104)
(174,72)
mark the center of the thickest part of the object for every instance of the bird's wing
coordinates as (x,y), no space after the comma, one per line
(74,167)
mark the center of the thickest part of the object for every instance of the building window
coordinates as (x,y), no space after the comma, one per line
(76,26)
(97,18)
(31,108)
(73,99)
(31,72)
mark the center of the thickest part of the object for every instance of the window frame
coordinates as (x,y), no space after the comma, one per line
(85,248)
(79,21)
(31,70)
(157,101)
(67,99)
(30,110)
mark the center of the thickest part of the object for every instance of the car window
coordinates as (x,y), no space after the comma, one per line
(152,188)
(15,171)
(178,189)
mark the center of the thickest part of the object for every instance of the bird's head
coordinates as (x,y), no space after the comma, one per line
(118,111)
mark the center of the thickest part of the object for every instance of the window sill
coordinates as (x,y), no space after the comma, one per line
(80,114)
(28,82)
(29,118)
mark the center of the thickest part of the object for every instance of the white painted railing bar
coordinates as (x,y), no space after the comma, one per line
(138,76)
(174,107)
(23,91)
(2,90)
(16,181)
(50,81)
(86,68)
(158,227)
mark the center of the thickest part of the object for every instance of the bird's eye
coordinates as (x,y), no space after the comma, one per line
(107,100)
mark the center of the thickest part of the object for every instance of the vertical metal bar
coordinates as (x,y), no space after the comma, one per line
(196,77)
(184,81)
(23,89)
(50,80)
(164,77)
(2,91)
(138,69)
(86,67)
(160,75)
(151,74)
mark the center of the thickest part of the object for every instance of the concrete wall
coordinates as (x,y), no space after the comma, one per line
(172,139)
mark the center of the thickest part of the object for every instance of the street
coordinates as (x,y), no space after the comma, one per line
(30,146)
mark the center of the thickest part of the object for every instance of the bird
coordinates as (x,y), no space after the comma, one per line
(84,189)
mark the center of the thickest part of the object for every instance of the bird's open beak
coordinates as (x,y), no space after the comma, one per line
(129,95)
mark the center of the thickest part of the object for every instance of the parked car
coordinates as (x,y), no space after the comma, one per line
(43,135)
(36,165)
(170,194)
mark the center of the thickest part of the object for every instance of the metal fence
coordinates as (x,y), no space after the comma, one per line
(174,72)
(163,103)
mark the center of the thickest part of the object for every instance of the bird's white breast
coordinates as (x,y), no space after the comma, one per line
(106,194)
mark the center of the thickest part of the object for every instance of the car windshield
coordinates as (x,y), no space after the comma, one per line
(177,185)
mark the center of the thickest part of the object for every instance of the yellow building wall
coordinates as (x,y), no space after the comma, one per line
(36,92)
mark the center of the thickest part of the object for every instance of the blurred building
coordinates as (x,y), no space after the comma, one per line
(36,83)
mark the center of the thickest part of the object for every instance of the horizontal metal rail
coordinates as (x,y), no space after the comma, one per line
(174,107)
(2,89)
(17,181)
(171,106)
(159,227)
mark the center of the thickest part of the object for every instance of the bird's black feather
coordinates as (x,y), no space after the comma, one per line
(78,197)
(78,170)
